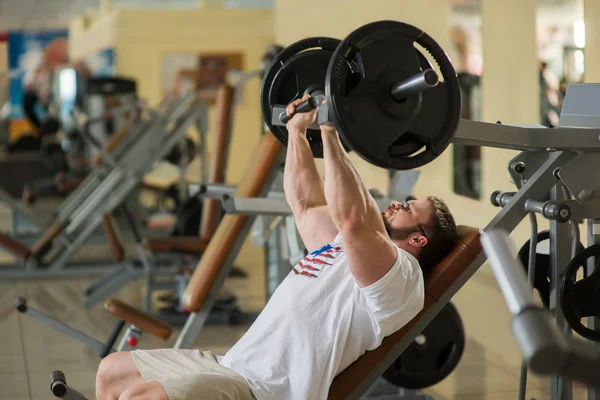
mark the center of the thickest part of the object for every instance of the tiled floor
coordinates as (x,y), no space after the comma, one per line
(29,350)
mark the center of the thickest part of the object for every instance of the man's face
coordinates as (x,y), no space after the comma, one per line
(404,219)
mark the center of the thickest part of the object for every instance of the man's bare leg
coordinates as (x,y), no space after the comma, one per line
(116,374)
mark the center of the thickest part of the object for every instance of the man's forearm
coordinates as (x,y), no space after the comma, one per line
(302,184)
(347,196)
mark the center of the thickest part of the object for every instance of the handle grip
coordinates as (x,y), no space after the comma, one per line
(58,383)
(500,198)
(303,107)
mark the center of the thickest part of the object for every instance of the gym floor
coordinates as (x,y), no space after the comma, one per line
(29,351)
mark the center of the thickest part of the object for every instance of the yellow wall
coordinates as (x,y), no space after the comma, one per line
(142,37)
(592,40)
(86,40)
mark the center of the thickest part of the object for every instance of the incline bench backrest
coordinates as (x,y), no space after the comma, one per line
(211,207)
(253,182)
(437,281)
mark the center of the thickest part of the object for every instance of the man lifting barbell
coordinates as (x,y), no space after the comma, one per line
(360,282)
(363,277)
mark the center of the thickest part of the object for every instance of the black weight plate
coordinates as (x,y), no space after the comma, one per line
(361,73)
(542,266)
(580,299)
(293,70)
(427,362)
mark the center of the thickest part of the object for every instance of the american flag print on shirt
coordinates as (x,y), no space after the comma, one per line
(312,265)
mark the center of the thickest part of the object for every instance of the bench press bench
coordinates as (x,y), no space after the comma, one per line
(361,374)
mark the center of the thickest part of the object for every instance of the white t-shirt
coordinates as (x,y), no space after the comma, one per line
(319,321)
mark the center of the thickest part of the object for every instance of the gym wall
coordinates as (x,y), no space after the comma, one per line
(592,40)
(86,38)
(141,38)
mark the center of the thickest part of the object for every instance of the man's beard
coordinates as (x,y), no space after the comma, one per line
(398,233)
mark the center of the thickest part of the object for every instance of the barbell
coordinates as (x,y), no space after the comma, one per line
(377,87)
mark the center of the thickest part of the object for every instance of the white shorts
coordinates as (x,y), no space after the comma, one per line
(191,375)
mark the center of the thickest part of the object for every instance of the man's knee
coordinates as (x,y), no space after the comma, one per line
(108,368)
(145,391)
(116,373)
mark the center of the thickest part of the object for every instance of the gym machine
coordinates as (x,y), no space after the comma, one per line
(387,107)
(191,220)
(109,105)
(98,99)
(104,190)
(547,350)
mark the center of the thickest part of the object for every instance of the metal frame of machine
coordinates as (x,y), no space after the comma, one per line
(109,186)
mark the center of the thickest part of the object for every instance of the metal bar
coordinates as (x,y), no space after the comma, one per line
(97,284)
(511,279)
(507,219)
(107,157)
(526,137)
(21,208)
(213,190)
(94,201)
(217,191)
(65,329)
(560,255)
(545,348)
(255,206)
(76,197)
(203,152)
(274,204)
(79,270)
(111,284)
(578,210)
(63,254)
(593,322)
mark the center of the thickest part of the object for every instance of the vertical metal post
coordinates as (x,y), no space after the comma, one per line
(274,259)
(560,255)
(593,226)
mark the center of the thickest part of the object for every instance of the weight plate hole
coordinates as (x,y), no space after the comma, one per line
(432,61)
(444,356)
(408,144)
(352,82)
(354,73)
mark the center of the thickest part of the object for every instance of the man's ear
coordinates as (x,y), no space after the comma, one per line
(418,240)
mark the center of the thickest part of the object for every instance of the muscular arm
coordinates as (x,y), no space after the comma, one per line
(368,248)
(304,192)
